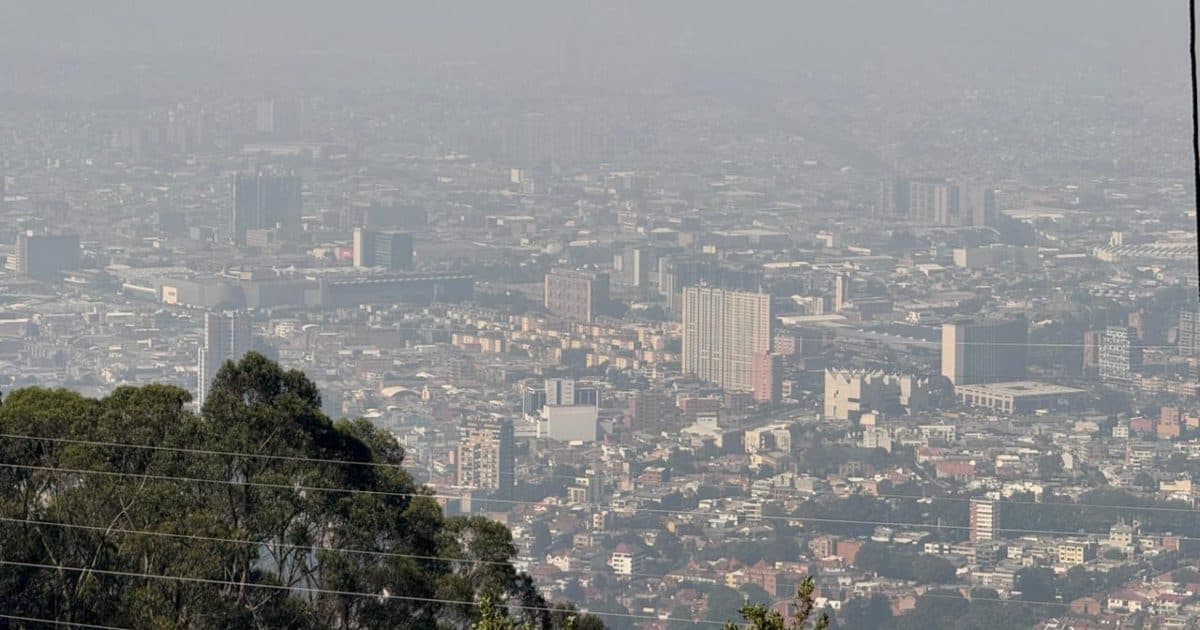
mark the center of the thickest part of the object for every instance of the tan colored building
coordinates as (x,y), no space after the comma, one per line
(1074,552)
(580,295)
(723,332)
(486,455)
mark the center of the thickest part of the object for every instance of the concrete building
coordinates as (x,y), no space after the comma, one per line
(978,205)
(723,332)
(580,295)
(390,288)
(383,248)
(1019,396)
(1122,535)
(841,292)
(1189,333)
(44,256)
(876,437)
(1075,552)
(278,119)
(1091,351)
(625,560)
(851,393)
(264,202)
(570,413)
(226,338)
(635,265)
(893,198)
(768,378)
(774,437)
(933,202)
(651,411)
(573,423)
(675,273)
(985,520)
(486,456)
(1120,355)
(985,351)
(995,255)
(561,392)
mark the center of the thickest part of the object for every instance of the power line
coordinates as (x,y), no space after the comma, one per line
(56,622)
(242,541)
(308,589)
(434,495)
(400,466)
(387,554)
(175,449)
(424,557)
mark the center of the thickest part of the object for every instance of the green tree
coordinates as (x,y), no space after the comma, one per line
(759,617)
(928,569)
(1077,582)
(904,564)
(681,618)
(723,602)
(493,617)
(1036,584)
(1049,466)
(275,515)
(934,609)
(867,613)
(874,557)
(756,593)
(1145,481)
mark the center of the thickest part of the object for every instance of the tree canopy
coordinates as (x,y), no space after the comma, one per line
(759,617)
(259,511)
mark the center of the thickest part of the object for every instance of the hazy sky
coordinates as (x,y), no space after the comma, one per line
(978,29)
(1121,43)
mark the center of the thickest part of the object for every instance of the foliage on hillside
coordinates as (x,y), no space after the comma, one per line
(259,522)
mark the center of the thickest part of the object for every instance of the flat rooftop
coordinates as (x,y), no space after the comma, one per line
(1022,388)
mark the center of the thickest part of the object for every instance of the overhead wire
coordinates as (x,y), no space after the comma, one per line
(386,554)
(382,596)
(680,577)
(268,456)
(58,622)
(433,494)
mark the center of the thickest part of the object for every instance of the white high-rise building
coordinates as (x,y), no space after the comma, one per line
(560,391)
(985,520)
(723,332)
(226,338)
(1120,355)
(841,292)
(570,413)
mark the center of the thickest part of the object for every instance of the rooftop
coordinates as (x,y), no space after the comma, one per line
(1022,388)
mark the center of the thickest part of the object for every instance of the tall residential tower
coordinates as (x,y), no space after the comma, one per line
(226,338)
(486,456)
(723,334)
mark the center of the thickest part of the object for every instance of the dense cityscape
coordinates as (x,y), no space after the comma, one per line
(935,344)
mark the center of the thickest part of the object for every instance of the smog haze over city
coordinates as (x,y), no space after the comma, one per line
(571,315)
